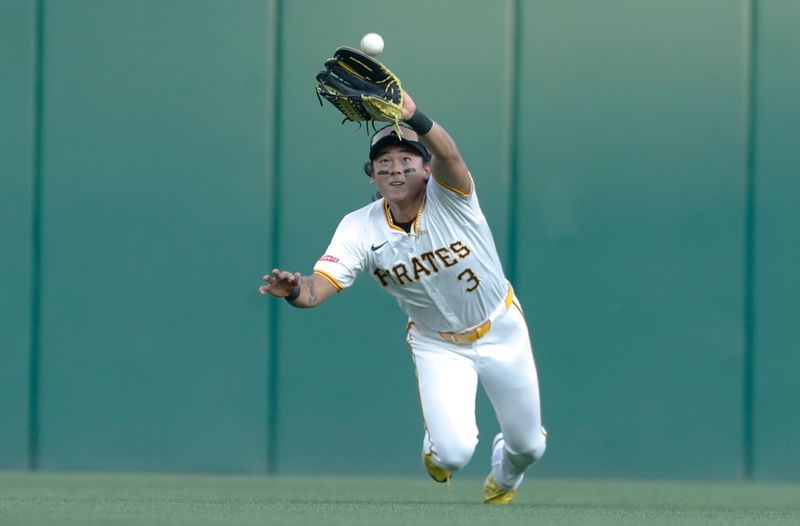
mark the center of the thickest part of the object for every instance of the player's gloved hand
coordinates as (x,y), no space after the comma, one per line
(360,87)
(409,106)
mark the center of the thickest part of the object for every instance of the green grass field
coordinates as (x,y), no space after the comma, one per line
(95,499)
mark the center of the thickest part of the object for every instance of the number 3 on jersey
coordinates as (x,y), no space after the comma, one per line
(469,277)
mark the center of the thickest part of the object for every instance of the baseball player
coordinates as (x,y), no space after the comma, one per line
(427,243)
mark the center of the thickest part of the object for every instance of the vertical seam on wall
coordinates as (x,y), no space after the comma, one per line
(513,200)
(274,307)
(750,49)
(36,240)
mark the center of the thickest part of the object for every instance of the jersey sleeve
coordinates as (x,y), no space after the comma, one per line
(457,203)
(345,256)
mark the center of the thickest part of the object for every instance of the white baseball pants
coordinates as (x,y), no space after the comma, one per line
(448,374)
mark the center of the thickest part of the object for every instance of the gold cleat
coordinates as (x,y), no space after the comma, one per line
(438,474)
(494,494)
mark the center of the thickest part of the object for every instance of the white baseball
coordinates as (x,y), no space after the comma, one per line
(372,44)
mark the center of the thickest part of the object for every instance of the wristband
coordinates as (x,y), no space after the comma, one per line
(293,295)
(420,123)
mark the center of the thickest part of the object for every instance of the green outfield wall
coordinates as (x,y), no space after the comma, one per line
(637,162)
(17,138)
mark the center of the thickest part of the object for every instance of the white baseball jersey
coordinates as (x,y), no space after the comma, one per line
(445,274)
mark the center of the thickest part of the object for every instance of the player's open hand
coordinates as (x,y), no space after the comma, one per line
(281,283)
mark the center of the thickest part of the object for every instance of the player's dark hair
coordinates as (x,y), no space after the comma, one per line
(368,171)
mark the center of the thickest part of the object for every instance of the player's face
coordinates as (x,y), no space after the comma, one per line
(399,174)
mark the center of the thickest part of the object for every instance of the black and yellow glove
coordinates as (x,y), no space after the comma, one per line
(360,87)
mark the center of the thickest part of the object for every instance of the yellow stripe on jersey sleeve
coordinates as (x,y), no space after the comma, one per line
(453,188)
(334,281)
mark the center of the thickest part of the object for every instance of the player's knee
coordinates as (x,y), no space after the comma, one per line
(455,454)
(526,453)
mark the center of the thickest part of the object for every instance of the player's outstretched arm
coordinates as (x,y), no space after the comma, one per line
(448,167)
(301,291)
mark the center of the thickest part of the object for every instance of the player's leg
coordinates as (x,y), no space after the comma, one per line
(508,374)
(447,387)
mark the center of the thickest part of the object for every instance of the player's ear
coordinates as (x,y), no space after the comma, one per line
(368,169)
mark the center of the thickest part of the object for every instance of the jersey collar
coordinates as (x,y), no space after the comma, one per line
(388,215)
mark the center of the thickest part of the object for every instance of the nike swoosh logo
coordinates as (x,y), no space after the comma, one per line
(375,248)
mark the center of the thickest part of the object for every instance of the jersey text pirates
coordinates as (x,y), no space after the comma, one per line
(445,274)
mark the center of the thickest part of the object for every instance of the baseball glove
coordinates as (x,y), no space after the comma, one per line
(360,87)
